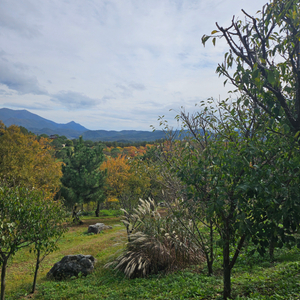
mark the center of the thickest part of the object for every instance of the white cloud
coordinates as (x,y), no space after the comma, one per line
(17,77)
(73,100)
(111,64)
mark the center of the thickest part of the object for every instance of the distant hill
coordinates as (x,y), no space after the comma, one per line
(39,125)
(71,130)
(124,135)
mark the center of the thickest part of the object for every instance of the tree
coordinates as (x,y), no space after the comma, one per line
(240,179)
(177,166)
(138,186)
(126,181)
(118,172)
(27,161)
(265,52)
(82,179)
(22,222)
(265,55)
(115,152)
(49,228)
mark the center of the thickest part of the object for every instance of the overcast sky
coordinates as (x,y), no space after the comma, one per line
(112,64)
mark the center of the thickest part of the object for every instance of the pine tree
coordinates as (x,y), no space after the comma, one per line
(82,178)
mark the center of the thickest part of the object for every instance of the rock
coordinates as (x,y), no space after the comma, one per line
(72,265)
(102,226)
(93,229)
(97,228)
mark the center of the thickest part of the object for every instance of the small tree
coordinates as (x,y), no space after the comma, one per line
(82,179)
(20,220)
(48,230)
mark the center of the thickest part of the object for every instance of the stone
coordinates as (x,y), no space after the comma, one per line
(97,228)
(72,265)
(102,226)
(93,229)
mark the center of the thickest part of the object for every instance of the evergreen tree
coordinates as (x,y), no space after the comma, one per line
(82,178)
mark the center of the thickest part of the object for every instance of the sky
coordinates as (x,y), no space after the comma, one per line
(112,64)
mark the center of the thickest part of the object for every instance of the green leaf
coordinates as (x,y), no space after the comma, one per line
(204,39)
(271,77)
(286,128)
(255,74)
(297,134)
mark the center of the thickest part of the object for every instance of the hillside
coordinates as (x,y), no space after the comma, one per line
(124,135)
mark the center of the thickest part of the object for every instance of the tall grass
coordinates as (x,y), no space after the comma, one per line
(155,244)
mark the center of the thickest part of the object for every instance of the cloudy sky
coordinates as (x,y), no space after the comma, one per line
(112,64)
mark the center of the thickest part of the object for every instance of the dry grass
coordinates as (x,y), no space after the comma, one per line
(155,244)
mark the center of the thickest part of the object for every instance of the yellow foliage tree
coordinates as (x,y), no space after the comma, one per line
(26,161)
(125,181)
(118,171)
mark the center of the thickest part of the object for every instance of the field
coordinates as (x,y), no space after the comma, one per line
(254,277)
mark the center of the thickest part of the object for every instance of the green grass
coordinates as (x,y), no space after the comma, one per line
(253,277)
(76,241)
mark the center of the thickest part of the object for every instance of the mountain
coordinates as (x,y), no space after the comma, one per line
(71,130)
(39,125)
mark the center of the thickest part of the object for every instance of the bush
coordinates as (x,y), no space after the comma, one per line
(155,244)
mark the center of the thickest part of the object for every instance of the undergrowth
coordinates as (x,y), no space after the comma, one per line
(254,277)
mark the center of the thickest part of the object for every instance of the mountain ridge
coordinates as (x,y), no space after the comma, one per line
(72,130)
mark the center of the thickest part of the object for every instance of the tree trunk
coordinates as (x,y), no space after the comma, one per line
(272,248)
(74,212)
(97,209)
(3,273)
(36,270)
(211,249)
(226,270)
(210,267)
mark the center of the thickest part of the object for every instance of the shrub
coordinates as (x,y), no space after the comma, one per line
(155,243)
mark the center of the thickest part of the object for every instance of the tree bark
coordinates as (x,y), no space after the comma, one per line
(272,248)
(226,270)
(97,209)
(211,250)
(210,267)
(36,270)
(3,274)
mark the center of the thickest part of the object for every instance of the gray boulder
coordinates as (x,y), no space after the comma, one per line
(72,265)
(97,228)
(93,229)
(102,226)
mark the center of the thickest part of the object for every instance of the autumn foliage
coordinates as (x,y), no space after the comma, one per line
(118,173)
(126,181)
(27,161)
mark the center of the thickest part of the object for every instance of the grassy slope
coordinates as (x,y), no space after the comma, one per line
(253,277)
(76,241)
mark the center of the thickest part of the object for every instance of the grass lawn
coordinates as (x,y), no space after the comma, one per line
(76,241)
(253,277)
